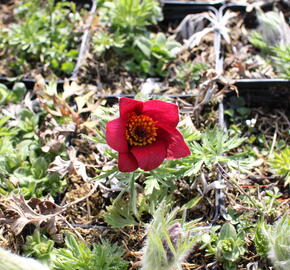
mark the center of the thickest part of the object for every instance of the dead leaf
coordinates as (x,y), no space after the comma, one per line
(73,165)
(71,89)
(83,100)
(52,135)
(19,213)
(60,166)
(49,91)
(149,86)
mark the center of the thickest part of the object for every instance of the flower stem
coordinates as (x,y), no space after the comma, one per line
(133,194)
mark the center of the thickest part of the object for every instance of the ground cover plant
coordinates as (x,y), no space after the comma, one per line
(43,40)
(154,182)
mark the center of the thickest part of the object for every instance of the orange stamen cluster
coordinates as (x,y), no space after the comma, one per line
(141,130)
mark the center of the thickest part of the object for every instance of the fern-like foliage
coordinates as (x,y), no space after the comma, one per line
(215,146)
(120,214)
(77,256)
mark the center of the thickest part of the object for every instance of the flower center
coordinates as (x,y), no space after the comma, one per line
(141,130)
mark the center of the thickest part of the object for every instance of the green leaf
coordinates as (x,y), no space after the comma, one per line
(39,167)
(146,65)
(160,39)
(196,167)
(228,231)
(67,67)
(150,185)
(192,203)
(72,53)
(4,93)
(120,214)
(19,90)
(144,45)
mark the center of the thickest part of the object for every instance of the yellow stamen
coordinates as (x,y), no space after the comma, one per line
(141,130)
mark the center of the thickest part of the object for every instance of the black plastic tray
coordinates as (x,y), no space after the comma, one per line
(265,92)
(29,83)
(177,10)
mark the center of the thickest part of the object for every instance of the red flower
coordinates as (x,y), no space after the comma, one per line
(145,134)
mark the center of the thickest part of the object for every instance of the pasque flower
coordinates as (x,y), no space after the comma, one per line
(145,134)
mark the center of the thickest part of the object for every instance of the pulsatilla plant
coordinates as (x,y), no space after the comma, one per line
(169,240)
(145,134)
(278,237)
(15,262)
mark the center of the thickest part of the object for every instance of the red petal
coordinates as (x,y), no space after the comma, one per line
(129,105)
(176,146)
(151,156)
(162,111)
(116,135)
(127,162)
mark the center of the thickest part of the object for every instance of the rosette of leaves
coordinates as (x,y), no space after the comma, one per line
(228,246)
(127,37)
(39,247)
(103,41)
(281,164)
(23,165)
(147,54)
(278,236)
(130,16)
(151,55)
